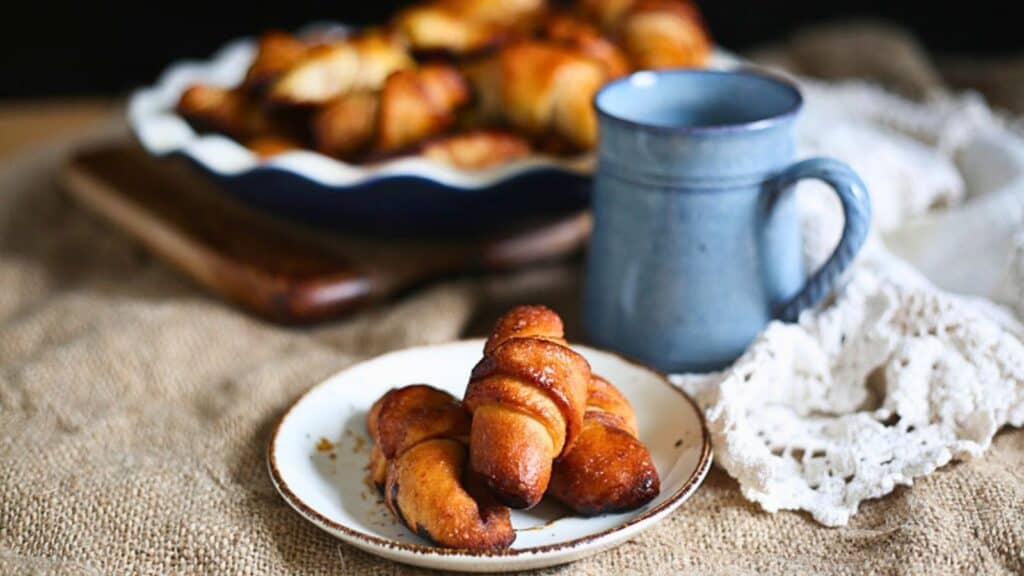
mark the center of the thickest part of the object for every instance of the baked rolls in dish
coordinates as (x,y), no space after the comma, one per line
(442,73)
(419,462)
(607,469)
(527,397)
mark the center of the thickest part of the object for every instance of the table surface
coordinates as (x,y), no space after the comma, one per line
(24,124)
(152,458)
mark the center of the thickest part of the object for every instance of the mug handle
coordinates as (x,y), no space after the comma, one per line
(857,212)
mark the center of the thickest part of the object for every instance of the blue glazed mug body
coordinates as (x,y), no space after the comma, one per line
(696,242)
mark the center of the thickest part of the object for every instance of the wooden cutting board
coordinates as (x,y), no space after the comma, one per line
(273,268)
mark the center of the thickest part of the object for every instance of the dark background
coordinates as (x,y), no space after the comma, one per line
(85,48)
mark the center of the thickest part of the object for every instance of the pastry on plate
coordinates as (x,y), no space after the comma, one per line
(607,469)
(419,463)
(449,71)
(527,396)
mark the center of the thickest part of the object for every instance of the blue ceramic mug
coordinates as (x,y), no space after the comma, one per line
(696,243)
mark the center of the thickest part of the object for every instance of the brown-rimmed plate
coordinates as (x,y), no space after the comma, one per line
(319,451)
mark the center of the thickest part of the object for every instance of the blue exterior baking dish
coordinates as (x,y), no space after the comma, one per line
(405,196)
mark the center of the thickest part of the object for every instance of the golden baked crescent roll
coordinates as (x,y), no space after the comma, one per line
(418,103)
(542,89)
(419,462)
(607,469)
(527,396)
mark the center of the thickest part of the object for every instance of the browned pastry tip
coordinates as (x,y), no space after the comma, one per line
(419,103)
(276,52)
(419,462)
(607,469)
(527,396)
(477,150)
(413,414)
(526,322)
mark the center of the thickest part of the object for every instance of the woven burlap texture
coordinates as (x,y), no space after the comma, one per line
(135,413)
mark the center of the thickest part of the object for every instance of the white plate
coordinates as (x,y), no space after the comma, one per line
(319,451)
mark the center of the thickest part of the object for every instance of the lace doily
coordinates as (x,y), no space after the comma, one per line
(895,377)
(892,381)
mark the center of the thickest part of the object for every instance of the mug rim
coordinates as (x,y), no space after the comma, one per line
(751,126)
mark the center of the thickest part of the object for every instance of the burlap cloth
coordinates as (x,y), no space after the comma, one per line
(135,412)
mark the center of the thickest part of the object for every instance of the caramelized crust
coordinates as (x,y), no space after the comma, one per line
(225,110)
(665,34)
(509,13)
(607,469)
(526,322)
(463,27)
(418,103)
(426,491)
(276,52)
(604,397)
(527,396)
(346,126)
(588,40)
(437,29)
(334,69)
(605,13)
(542,89)
(417,413)
(419,462)
(477,150)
